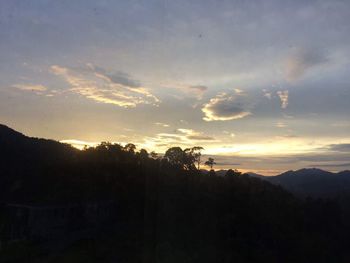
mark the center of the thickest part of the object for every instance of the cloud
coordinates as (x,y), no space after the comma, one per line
(281,125)
(225,107)
(181,137)
(301,61)
(194,135)
(31,87)
(267,94)
(118,77)
(192,91)
(283,95)
(331,165)
(284,162)
(342,124)
(162,124)
(342,147)
(197,90)
(94,83)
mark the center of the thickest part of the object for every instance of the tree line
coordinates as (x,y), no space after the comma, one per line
(166,211)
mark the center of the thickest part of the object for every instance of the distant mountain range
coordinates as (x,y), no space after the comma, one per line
(313,182)
(17,148)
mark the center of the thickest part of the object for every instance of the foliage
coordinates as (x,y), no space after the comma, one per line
(210,162)
(167,211)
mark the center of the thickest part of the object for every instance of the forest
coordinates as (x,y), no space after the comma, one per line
(166,208)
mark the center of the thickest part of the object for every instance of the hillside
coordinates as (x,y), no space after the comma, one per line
(166,210)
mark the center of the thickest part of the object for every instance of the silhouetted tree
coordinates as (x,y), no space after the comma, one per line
(196,153)
(210,163)
(231,172)
(142,155)
(181,158)
(130,147)
(154,155)
(212,173)
(175,156)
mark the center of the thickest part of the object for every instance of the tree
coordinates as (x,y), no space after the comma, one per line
(180,158)
(196,153)
(212,173)
(143,154)
(130,148)
(231,172)
(210,163)
(175,156)
(154,155)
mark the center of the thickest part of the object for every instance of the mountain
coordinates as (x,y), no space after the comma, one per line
(23,159)
(8,135)
(17,147)
(256,175)
(313,182)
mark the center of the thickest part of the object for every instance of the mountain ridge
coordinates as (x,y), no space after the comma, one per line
(32,151)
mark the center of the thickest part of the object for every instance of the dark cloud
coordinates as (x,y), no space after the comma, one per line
(331,165)
(198,88)
(344,147)
(302,60)
(225,107)
(118,77)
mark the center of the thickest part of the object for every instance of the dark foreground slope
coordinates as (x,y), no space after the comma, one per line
(113,204)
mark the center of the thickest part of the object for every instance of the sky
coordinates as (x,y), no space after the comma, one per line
(263,86)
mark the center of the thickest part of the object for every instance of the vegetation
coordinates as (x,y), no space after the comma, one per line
(168,210)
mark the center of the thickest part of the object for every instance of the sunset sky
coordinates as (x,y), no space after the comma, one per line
(263,86)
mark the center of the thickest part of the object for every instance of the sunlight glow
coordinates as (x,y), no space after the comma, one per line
(80,144)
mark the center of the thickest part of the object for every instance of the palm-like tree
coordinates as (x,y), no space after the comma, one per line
(210,163)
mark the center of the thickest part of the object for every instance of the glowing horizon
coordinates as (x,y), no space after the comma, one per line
(262,85)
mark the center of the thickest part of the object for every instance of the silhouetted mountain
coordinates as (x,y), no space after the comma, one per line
(23,160)
(16,147)
(256,175)
(344,173)
(313,182)
(6,132)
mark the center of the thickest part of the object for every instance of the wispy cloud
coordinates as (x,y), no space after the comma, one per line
(181,137)
(281,125)
(191,90)
(341,147)
(162,124)
(225,107)
(198,90)
(195,135)
(31,87)
(330,165)
(267,94)
(99,85)
(302,60)
(284,97)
